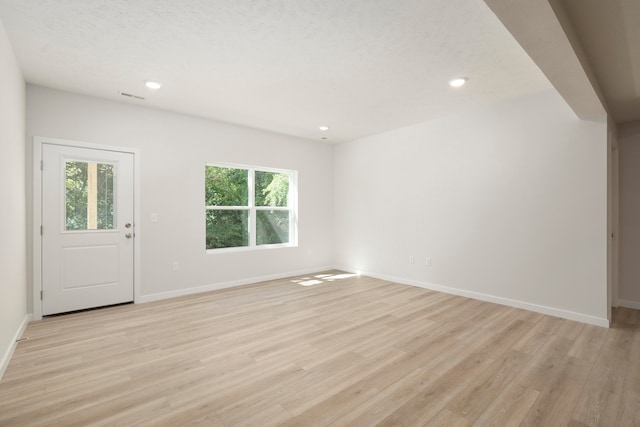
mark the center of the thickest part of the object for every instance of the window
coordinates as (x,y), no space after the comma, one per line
(248,207)
(89,203)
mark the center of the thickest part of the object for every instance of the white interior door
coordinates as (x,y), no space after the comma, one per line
(87,228)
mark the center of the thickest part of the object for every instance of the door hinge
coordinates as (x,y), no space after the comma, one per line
(41,295)
(41,230)
(41,165)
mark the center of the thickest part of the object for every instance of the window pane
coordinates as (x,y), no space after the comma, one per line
(227,228)
(226,186)
(89,195)
(272,227)
(272,189)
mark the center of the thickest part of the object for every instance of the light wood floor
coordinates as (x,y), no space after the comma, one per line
(346,351)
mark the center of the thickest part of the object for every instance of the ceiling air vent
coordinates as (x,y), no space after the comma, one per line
(130,95)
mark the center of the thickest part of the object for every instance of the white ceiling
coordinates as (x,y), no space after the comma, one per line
(588,49)
(609,34)
(360,66)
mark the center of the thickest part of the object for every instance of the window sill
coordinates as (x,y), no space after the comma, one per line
(251,248)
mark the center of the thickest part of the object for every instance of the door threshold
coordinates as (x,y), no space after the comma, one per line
(86,309)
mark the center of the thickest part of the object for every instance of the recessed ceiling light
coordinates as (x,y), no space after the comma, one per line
(323,128)
(457,82)
(152,85)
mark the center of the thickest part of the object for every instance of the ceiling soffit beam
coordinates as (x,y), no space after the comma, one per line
(546,34)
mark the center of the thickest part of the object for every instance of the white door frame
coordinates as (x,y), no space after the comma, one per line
(38,141)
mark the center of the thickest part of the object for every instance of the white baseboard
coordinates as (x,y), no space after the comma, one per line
(551,311)
(629,304)
(223,285)
(6,357)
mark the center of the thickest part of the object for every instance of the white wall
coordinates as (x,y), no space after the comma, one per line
(613,213)
(629,231)
(510,204)
(174,150)
(13,308)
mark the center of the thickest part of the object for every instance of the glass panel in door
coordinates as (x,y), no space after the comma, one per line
(89,196)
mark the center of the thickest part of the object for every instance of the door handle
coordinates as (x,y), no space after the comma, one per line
(128,235)
(127,225)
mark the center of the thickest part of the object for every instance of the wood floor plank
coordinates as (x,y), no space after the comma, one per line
(485,388)
(559,394)
(329,348)
(434,398)
(449,419)
(314,395)
(602,394)
(510,407)
(284,391)
(537,335)
(545,364)
(588,344)
(387,400)
(629,412)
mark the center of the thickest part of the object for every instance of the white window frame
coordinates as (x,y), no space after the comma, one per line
(292,207)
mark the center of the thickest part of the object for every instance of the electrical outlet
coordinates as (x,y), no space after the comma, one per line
(175,266)
(412,259)
(427,262)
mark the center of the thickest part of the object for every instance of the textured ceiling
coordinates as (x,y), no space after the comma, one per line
(360,66)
